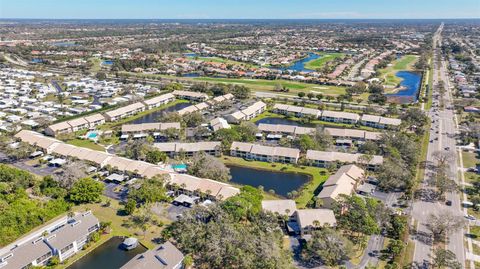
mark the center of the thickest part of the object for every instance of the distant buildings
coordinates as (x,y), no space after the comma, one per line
(192,96)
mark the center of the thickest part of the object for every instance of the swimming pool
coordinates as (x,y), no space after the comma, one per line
(179,166)
(92,135)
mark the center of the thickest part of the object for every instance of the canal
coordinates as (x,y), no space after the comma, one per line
(109,255)
(411,83)
(154,116)
(282,183)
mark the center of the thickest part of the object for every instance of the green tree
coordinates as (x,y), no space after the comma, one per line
(86,190)
(301,94)
(150,191)
(444,258)
(327,247)
(130,206)
(155,156)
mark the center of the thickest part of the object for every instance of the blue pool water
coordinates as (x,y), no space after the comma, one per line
(179,166)
(411,81)
(107,62)
(92,135)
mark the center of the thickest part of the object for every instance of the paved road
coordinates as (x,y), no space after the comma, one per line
(442,138)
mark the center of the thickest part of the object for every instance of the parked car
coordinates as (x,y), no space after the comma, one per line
(448,202)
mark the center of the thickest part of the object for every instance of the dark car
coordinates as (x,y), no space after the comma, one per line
(448,202)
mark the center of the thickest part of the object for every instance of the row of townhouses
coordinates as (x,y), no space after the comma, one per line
(338,117)
(293,130)
(264,153)
(62,238)
(214,189)
(248,113)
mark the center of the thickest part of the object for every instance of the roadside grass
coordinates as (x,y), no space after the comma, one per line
(430,85)
(423,156)
(470,159)
(408,254)
(405,63)
(324,59)
(85,143)
(306,193)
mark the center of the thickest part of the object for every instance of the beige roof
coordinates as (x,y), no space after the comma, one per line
(187,147)
(280,106)
(282,207)
(241,146)
(338,114)
(188,109)
(34,138)
(340,156)
(60,126)
(165,256)
(190,94)
(97,157)
(265,150)
(283,128)
(342,182)
(77,122)
(149,127)
(95,117)
(371,118)
(119,163)
(124,110)
(254,107)
(159,99)
(390,121)
(308,217)
(192,183)
(152,172)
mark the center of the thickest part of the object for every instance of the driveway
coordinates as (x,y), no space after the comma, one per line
(111,193)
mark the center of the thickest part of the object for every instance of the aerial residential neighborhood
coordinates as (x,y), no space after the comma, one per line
(239,134)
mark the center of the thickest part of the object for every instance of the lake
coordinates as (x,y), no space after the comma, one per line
(109,255)
(274,120)
(299,66)
(153,117)
(281,183)
(411,81)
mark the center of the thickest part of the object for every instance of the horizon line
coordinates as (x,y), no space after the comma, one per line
(444,18)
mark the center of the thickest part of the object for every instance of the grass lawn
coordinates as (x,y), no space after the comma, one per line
(423,157)
(470,159)
(119,226)
(85,143)
(306,193)
(269,85)
(261,85)
(406,63)
(324,59)
(95,64)
(222,60)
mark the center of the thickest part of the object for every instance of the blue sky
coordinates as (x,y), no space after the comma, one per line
(233,9)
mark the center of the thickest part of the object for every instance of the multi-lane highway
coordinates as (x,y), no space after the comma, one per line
(442,138)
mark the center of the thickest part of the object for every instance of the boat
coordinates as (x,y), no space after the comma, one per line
(130,243)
